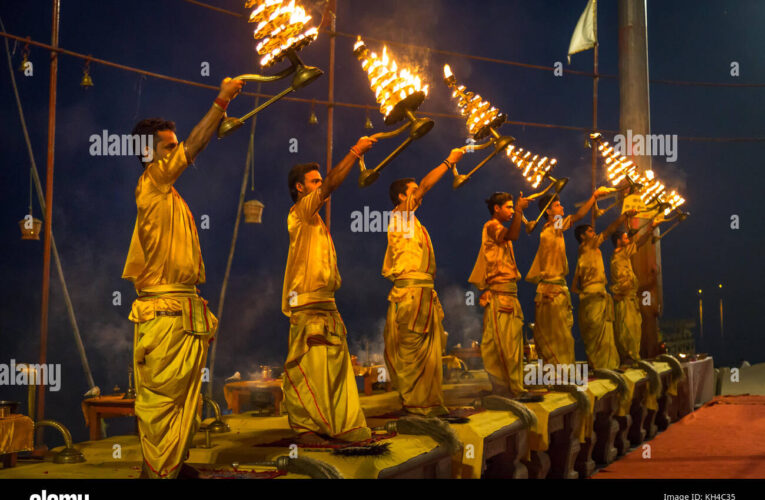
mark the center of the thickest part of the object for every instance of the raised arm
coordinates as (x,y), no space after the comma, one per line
(515,226)
(339,172)
(435,175)
(579,215)
(643,238)
(611,229)
(204,130)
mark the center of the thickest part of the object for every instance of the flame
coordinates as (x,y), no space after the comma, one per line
(618,167)
(390,84)
(533,168)
(280,24)
(479,112)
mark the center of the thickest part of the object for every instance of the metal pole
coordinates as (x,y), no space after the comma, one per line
(48,209)
(331,98)
(234,237)
(635,119)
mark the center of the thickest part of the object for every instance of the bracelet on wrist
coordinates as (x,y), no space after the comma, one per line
(221,104)
(449,164)
(355,153)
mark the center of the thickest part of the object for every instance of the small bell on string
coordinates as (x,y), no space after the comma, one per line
(368,123)
(587,143)
(86,81)
(313,119)
(24,58)
(24,62)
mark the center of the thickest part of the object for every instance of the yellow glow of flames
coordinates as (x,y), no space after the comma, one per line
(478,111)
(281,26)
(618,167)
(389,83)
(533,167)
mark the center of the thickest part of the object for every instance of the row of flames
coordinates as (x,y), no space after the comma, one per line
(390,83)
(619,168)
(533,168)
(280,25)
(478,111)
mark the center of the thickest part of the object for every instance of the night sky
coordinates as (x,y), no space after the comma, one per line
(94,208)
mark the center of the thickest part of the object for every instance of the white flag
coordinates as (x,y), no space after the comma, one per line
(586,32)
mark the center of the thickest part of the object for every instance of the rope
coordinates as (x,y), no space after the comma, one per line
(339,103)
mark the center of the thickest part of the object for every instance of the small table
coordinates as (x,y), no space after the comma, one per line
(16,435)
(102,407)
(695,389)
(238,393)
(470,355)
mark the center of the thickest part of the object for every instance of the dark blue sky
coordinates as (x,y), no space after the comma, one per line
(94,209)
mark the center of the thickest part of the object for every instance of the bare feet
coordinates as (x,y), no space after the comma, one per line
(311,438)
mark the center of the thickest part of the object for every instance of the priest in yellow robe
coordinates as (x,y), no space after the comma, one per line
(624,287)
(495,272)
(596,307)
(173,325)
(414,334)
(319,385)
(553,314)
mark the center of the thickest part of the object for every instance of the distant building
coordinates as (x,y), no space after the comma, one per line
(677,336)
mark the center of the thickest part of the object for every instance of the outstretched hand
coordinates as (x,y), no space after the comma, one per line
(602,191)
(364,144)
(522,203)
(455,155)
(230,88)
(630,213)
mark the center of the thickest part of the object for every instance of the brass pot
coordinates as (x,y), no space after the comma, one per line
(7,408)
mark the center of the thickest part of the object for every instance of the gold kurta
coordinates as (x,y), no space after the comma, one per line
(414,333)
(553,315)
(627,319)
(319,386)
(495,272)
(596,309)
(173,325)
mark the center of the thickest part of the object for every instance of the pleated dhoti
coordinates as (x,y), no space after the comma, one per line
(319,385)
(596,324)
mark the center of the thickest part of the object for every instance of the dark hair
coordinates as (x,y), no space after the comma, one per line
(616,237)
(542,203)
(398,187)
(297,174)
(151,126)
(580,230)
(497,198)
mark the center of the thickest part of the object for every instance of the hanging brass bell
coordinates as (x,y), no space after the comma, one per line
(313,120)
(86,81)
(24,62)
(368,124)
